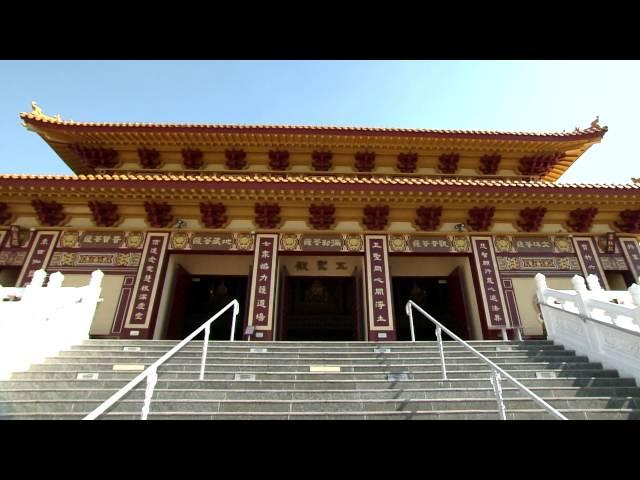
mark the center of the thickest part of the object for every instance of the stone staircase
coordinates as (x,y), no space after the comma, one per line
(294,380)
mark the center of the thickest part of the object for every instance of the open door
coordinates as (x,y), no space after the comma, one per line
(178,303)
(282,303)
(457,304)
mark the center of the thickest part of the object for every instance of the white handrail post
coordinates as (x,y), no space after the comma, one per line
(634,291)
(409,311)
(236,310)
(497,389)
(152,378)
(439,336)
(204,351)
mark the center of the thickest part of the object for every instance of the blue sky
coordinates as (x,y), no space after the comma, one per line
(481,95)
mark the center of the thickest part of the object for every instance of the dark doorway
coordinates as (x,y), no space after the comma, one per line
(9,276)
(197,298)
(319,309)
(440,297)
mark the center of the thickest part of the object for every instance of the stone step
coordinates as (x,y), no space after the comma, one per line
(170,373)
(215,362)
(284,344)
(116,384)
(279,347)
(317,395)
(212,353)
(572,414)
(286,406)
(305,367)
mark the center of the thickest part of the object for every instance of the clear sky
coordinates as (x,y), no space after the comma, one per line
(475,95)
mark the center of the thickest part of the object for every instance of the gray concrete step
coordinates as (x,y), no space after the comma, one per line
(286,406)
(52,372)
(320,383)
(572,414)
(318,395)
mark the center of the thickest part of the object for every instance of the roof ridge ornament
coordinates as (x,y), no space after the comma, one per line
(38,113)
(595,123)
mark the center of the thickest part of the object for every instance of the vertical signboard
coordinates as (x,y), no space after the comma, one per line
(261,305)
(146,291)
(381,326)
(588,258)
(632,254)
(39,256)
(493,300)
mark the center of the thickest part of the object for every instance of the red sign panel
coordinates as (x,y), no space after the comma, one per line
(39,256)
(589,261)
(263,286)
(378,289)
(492,295)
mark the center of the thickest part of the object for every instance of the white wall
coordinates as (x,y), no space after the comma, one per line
(525,291)
(106,310)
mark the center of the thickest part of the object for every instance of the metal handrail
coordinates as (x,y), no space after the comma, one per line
(496,371)
(151,373)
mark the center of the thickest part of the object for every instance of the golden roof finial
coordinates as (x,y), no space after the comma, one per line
(38,113)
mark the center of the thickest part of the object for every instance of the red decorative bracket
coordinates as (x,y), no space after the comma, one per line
(376,218)
(149,157)
(213,214)
(448,162)
(50,214)
(322,217)
(192,159)
(581,219)
(158,214)
(407,162)
(96,157)
(531,219)
(365,161)
(428,218)
(489,164)
(630,221)
(105,214)
(539,165)
(279,159)
(236,159)
(322,161)
(267,215)
(480,218)
(5,214)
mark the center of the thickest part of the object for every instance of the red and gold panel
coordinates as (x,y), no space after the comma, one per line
(38,257)
(631,251)
(146,293)
(261,306)
(15,245)
(490,284)
(381,325)
(215,242)
(429,244)
(588,258)
(321,243)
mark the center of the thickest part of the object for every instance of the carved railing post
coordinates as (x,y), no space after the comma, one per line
(55,280)
(634,291)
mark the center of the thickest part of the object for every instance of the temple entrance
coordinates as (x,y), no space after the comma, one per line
(440,297)
(198,297)
(319,309)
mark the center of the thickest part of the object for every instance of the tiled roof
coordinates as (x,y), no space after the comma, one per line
(308,129)
(346,180)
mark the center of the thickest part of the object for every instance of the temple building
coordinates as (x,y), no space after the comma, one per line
(321,233)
